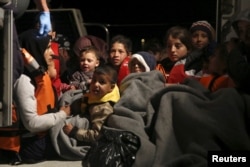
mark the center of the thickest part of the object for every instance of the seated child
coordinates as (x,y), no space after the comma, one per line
(89,59)
(97,104)
(142,62)
(216,76)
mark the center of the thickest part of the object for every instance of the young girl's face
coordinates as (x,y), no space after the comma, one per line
(88,61)
(176,49)
(100,85)
(135,66)
(200,39)
(117,54)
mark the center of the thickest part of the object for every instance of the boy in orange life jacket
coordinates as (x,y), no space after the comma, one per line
(216,76)
(36,100)
(103,94)
(119,55)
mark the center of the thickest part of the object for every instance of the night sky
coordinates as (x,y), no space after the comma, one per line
(143,20)
(123,12)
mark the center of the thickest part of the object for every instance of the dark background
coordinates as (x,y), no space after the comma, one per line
(150,12)
(139,20)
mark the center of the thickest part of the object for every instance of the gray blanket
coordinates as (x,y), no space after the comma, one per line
(68,148)
(179,124)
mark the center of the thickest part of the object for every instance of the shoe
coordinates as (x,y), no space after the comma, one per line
(15,159)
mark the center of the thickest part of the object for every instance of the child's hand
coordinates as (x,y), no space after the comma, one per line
(66,109)
(72,87)
(89,81)
(67,128)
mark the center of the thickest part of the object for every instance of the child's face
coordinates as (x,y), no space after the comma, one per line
(48,55)
(117,54)
(88,62)
(200,39)
(135,66)
(100,85)
(176,49)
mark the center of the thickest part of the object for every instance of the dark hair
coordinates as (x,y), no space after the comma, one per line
(222,51)
(122,39)
(107,70)
(154,45)
(181,33)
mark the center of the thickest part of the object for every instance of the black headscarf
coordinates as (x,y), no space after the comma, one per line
(35,45)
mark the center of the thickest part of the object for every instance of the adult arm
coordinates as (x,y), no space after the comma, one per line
(27,107)
(44,17)
(42,5)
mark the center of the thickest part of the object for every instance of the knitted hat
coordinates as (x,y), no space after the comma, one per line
(242,16)
(62,41)
(203,26)
(146,59)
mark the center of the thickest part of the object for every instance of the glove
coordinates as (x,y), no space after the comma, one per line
(45,23)
(30,63)
(70,96)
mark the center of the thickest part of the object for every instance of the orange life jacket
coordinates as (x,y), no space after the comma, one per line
(46,102)
(10,136)
(160,68)
(213,82)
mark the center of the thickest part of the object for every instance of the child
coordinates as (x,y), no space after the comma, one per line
(203,39)
(68,60)
(217,76)
(179,46)
(142,62)
(103,94)
(89,60)
(203,36)
(119,55)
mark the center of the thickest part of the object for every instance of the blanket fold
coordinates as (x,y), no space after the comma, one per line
(176,124)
